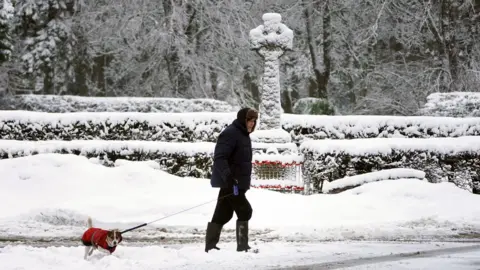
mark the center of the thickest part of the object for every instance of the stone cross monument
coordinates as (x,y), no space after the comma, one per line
(270,41)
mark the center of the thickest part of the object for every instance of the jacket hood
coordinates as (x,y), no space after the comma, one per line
(246,114)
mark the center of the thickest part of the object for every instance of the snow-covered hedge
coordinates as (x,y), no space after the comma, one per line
(453,104)
(193,127)
(63,104)
(317,127)
(181,159)
(316,106)
(172,127)
(455,160)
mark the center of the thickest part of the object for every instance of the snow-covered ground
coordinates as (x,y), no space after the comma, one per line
(332,255)
(49,196)
(52,195)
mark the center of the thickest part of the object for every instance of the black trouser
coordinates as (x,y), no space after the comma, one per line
(227,205)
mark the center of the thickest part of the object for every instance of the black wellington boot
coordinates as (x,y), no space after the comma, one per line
(242,236)
(213,236)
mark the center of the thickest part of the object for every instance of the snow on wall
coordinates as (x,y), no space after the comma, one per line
(453,104)
(67,103)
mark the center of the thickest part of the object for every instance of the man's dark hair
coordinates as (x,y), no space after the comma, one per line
(252,114)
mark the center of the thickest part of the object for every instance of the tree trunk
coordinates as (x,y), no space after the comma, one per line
(322,74)
(448,18)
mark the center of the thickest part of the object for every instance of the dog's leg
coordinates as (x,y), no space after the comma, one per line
(89,222)
(87,253)
(91,251)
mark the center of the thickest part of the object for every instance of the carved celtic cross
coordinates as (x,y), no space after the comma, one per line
(271,40)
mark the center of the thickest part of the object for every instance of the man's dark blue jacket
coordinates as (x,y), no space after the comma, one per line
(233,155)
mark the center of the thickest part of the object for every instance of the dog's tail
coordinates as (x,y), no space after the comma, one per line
(89,222)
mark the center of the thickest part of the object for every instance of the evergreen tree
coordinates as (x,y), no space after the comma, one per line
(6,26)
(48,40)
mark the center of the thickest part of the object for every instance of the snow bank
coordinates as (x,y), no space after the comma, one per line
(442,159)
(357,180)
(67,103)
(182,159)
(51,195)
(191,127)
(453,104)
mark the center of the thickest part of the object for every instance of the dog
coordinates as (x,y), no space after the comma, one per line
(103,240)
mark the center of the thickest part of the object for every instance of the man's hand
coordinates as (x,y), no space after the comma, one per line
(232,182)
(235,187)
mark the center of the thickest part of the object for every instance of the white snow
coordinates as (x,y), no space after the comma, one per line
(272,256)
(53,194)
(69,103)
(382,125)
(12,147)
(385,146)
(43,118)
(453,104)
(100,146)
(394,174)
(278,158)
(323,126)
(6,12)
(271,136)
(271,40)
(272,32)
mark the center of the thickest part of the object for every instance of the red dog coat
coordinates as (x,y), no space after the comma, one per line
(98,237)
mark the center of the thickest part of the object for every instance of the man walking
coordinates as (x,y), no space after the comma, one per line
(232,168)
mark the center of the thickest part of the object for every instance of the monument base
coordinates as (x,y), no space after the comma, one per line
(271,136)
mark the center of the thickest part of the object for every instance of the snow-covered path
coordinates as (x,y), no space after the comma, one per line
(280,255)
(459,257)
